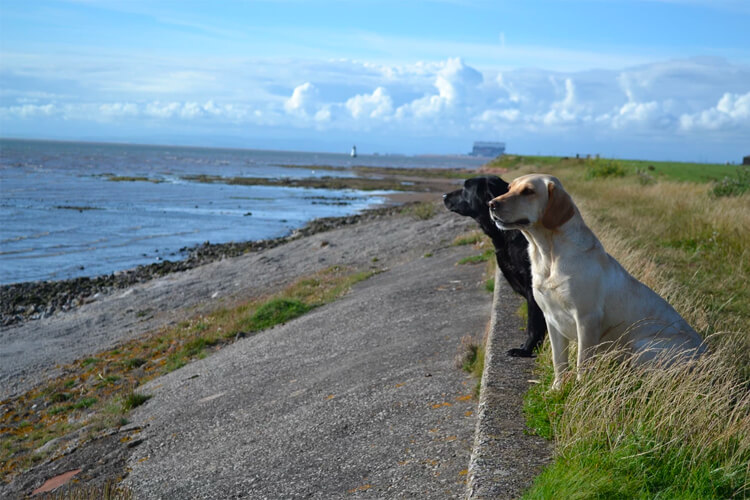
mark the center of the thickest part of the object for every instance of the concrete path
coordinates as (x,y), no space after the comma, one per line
(505,459)
(358,398)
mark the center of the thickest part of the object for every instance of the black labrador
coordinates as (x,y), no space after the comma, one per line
(511,249)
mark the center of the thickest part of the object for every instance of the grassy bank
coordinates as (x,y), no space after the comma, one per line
(677,432)
(96,393)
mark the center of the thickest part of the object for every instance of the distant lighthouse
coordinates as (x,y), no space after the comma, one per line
(353,154)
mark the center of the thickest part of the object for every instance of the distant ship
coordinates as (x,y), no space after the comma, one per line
(353,154)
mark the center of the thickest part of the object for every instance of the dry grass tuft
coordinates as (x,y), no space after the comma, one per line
(106,491)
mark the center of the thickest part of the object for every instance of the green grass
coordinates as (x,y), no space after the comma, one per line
(600,169)
(626,432)
(134,363)
(59,397)
(134,400)
(681,172)
(631,473)
(472,238)
(662,170)
(523,314)
(542,408)
(733,185)
(512,162)
(84,403)
(275,312)
(471,360)
(424,210)
(485,256)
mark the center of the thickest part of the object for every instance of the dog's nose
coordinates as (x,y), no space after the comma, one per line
(491,203)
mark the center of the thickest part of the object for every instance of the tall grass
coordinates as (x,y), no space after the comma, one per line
(735,185)
(669,431)
(666,430)
(603,168)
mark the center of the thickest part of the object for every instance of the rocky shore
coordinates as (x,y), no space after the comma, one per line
(39,299)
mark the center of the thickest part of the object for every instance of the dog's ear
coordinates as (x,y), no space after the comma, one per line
(559,209)
(496,186)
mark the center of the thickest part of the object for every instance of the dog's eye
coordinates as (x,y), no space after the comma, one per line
(527,191)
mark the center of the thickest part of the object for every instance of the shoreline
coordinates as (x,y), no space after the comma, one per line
(34,300)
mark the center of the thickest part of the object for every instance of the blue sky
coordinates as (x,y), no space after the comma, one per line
(658,79)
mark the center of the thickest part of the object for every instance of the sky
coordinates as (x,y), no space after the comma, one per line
(652,79)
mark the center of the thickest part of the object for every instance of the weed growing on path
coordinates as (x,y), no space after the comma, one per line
(470,358)
(423,211)
(485,256)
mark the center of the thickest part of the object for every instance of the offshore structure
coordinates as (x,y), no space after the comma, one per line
(488,149)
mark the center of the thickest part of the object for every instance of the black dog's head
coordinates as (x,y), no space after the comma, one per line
(472,199)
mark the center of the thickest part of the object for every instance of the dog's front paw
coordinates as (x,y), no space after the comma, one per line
(521,353)
(555,387)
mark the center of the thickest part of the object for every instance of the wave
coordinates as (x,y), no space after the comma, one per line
(25,237)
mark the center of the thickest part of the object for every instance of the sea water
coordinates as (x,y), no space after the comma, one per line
(62,215)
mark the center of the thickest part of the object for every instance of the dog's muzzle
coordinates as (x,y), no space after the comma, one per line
(503,224)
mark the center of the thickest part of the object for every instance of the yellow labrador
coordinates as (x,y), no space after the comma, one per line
(585,294)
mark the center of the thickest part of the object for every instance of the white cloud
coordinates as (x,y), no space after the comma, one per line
(565,110)
(497,117)
(376,105)
(302,100)
(323,115)
(670,99)
(456,81)
(118,109)
(457,86)
(637,114)
(162,110)
(31,110)
(732,111)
